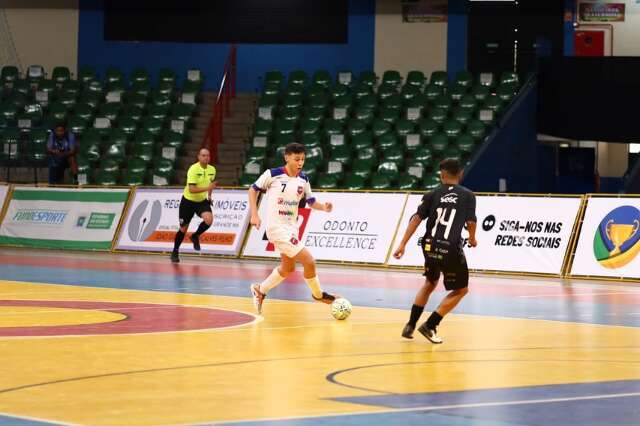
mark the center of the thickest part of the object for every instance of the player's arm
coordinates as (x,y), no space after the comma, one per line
(194,189)
(316,205)
(253,206)
(411,228)
(472,221)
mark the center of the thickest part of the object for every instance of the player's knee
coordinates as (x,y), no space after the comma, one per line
(284,271)
(463,291)
(208,219)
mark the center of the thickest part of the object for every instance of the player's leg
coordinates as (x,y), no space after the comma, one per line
(456,280)
(204,211)
(185,213)
(282,240)
(311,277)
(432,275)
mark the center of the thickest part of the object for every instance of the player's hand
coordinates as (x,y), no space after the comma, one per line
(473,242)
(212,185)
(328,207)
(399,251)
(255,221)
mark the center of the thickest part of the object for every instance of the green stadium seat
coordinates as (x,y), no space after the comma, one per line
(443,102)
(274,76)
(35,74)
(87,75)
(412,141)
(363,167)
(390,115)
(256,154)
(139,75)
(130,178)
(432,91)
(404,127)
(387,141)
(465,144)
(9,75)
(327,181)
(144,152)
(167,75)
(298,77)
(394,154)
(464,78)
(9,111)
(462,115)
(364,115)
(369,78)
(424,156)
(344,77)
(162,172)
(438,115)
(115,152)
(416,79)
(110,165)
(153,126)
(439,143)
(77,125)
(110,110)
(84,170)
(362,141)
(416,169)
(506,92)
(107,178)
(322,78)
(409,92)
(315,155)
(128,125)
(509,77)
(113,75)
(18,99)
(380,182)
(366,153)
(452,129)
(361,90)
(142,88)
(380,127)
(137,165)
(311,140)
(453,151)
(407,182)
(476,129)
(137,100)
(341,153)
(308,126)
(439,78)
(494,103)
(431,181)
(353,182)
(385,90)
(480,93)
(456,93)
(392,77)
(143,138)
(246,180)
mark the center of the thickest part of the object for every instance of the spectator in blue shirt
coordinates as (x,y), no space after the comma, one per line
(62,149)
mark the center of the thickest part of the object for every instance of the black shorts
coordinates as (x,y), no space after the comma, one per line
(188,208)
(456,272)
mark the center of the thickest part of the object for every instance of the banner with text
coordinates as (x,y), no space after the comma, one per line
(152,222)
(359,229)
(515,234)
(609,241)
(80,219)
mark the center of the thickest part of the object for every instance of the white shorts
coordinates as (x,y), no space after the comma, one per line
(285,241)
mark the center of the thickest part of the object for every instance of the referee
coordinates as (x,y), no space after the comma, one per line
(196,199)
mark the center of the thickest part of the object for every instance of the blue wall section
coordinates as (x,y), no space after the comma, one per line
(457,37)
(511,152)
(569,7)
(253,59)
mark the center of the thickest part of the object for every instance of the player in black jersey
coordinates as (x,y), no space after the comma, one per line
(447,209)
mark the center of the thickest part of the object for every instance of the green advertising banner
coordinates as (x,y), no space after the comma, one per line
(79,219)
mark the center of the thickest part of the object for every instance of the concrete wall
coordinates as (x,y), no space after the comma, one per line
(407,46)
(44,32)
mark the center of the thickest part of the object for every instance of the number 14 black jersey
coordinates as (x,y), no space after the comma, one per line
(446,209)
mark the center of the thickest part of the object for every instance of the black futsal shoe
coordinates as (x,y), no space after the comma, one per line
(407,331)
(195,239)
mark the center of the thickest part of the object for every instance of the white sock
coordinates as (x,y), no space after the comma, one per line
(272,280)
(314,285)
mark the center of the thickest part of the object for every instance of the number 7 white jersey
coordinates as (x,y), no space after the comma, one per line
(284,194)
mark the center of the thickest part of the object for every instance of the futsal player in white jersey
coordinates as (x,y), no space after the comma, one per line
(286,187)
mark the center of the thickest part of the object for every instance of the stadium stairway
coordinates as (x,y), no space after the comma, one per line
(236,132)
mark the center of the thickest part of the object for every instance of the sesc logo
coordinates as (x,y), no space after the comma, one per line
(617,239)
(144,220)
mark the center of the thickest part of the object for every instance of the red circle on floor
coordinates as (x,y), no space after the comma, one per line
(139,318)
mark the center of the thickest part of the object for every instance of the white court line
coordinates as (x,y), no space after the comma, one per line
(578,294)
(438,407)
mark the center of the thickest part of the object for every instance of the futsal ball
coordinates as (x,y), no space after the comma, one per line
(341,309)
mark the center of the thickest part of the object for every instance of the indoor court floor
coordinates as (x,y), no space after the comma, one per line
(121,339)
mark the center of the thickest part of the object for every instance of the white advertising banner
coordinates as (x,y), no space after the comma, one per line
(609,241)
(4,189)
(151,222)
(359,229)
(79,219)
(515,234)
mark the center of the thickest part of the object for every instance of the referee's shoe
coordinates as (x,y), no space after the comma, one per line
(195,239)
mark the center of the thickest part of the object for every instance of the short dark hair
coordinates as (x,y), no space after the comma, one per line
(294,148)
(451,166)
(60,124)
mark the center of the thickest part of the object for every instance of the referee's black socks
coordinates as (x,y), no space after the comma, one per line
(203,227)
(178,240)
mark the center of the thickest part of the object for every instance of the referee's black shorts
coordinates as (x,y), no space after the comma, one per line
(455,271)
(188,208)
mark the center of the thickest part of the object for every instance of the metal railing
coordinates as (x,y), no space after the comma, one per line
(221,108)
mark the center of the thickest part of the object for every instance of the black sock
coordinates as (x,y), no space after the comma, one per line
(178,241)
(434,320)
(203,227)
(416,311)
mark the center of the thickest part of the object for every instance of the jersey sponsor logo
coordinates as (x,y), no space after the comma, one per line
(617,238)
(300,190)
(294,241)
(286,212)
(450,198)
(290,203)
